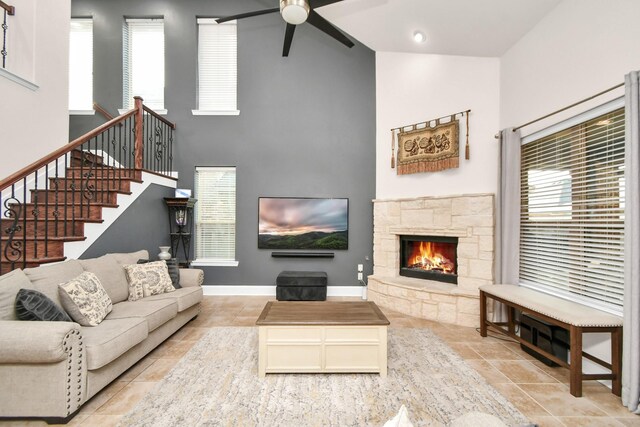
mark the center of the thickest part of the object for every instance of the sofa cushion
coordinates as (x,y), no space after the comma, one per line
(111,276)
(111,339)
(153,278)
(34,305)
(185,297)
(156,313)
(130,258)
(85,299)
(10,284)
(46,278)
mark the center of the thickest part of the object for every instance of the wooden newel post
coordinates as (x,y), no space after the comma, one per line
(139,143)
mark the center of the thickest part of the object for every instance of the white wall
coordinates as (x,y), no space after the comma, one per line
(580,48)
(412,88)
(35,122)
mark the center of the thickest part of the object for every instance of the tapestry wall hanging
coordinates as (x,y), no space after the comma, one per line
(430,148)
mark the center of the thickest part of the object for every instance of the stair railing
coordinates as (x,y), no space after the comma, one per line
(6,11)
(48,202)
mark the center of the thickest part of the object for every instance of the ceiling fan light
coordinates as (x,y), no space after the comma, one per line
(294,12)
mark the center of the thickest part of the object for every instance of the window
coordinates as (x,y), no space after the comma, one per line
(572,212)
(215,189)
(217,68)
(143,63)
(81,66)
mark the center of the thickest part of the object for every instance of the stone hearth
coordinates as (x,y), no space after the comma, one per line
(470,218)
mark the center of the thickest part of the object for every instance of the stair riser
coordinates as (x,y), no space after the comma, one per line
(102,173)
(63,211)
(34,249)
(113,185)
(60,197)
(51,228)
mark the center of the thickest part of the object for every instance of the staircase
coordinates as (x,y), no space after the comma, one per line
(49,202)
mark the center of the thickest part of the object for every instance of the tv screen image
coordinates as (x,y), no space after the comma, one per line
(303,223)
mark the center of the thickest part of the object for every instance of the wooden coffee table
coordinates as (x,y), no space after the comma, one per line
(322,337)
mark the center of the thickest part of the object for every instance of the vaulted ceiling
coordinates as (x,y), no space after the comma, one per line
(452,27)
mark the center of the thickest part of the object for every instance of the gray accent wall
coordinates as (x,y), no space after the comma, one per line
(306,126)
(144,225)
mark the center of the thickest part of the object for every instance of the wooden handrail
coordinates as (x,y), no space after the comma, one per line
(100,109)
(13,178)
(159,117)
(11,10)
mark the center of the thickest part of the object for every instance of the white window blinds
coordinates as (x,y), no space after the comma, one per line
(572,213)
(81,64)
(215,189)
(143,62)
(217,66)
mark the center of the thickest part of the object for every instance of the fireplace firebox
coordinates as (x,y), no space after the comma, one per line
(429,257)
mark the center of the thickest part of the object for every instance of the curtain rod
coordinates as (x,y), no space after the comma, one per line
(497,136)
(429,121)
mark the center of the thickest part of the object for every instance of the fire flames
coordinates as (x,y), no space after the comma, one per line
(428,256)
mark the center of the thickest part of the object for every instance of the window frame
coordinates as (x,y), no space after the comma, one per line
(199,111)
(89,110)
(578,297)
(214,262)
(127,96)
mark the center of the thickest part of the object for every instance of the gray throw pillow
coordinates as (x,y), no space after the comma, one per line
(34,305)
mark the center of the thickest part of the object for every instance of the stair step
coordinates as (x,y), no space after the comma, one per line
(74,196)
(103,173)
(68,211)
(85,158)
(35,248)
(120,185)
(52,227)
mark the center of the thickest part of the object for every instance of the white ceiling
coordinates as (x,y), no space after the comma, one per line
(452,27)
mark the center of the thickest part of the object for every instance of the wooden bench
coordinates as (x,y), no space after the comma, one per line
(576,318)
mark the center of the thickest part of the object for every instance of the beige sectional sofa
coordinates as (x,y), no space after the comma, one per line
(50,369)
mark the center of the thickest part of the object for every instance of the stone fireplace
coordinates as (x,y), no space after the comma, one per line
(407,273)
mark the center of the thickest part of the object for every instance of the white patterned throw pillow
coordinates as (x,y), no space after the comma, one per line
(85,299)
(148,279)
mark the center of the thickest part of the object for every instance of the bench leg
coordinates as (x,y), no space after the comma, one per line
(575,365)
(483,314)
(511,316)
(616,361)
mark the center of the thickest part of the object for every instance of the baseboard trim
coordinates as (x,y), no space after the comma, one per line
(332,291)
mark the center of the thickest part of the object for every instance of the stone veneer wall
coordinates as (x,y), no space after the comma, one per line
(468,217)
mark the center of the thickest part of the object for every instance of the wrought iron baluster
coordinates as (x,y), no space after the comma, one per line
(35,212)
(56,210)
(46,209)
(13,249)
(4,40)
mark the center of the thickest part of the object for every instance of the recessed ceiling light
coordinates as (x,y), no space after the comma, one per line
(419,37)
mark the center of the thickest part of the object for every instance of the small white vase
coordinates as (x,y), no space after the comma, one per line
(164,252)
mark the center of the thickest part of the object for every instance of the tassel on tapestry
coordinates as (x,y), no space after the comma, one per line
(431,148)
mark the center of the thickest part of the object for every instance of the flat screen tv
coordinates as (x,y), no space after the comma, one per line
(303,223)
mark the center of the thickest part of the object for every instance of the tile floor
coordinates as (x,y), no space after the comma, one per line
(541,393)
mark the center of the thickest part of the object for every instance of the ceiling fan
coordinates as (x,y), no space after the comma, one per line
(296,12)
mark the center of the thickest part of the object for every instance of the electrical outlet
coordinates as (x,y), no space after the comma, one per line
(359,276)
(360,267)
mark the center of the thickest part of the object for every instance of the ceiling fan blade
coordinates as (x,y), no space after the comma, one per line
(288,37)
(247,15)
(323,25)
(320,3)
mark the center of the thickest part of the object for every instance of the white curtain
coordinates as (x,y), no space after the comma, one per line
(631,325)
(507,214)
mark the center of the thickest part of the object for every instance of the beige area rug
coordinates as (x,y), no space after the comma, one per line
(217,384)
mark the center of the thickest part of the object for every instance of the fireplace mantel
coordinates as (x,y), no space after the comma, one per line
(449,232)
